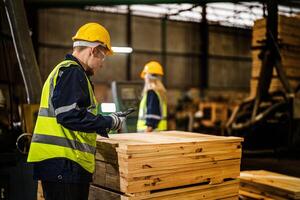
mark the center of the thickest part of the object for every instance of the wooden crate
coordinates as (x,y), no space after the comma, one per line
(226,191)
(288,31)
(140,163)
(263,184)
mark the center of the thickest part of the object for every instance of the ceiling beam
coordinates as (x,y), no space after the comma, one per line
(81,3)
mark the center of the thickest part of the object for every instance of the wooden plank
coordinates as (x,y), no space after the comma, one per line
(252,195)
(227,190)
(107,175)
(201,153)
(273,183)
(137,142)
(97,193)
(183,149)
(283,37)
(159,162)
(148,170)
(248,189)
(183,178)
(289,57)
(290,21)
(290,72)
(275,85)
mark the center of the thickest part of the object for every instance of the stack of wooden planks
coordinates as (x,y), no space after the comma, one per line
(267,185)
(166,165)
(289,42)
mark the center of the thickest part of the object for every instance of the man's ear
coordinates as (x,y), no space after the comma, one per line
(93,50)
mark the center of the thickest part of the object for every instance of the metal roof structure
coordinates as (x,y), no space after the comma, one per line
(242,14)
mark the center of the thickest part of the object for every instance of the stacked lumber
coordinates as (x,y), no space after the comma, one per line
(263,184)
(166,165)
(289,42)
(288,31)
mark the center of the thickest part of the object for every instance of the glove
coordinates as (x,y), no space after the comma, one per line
(117,120)
(103,133)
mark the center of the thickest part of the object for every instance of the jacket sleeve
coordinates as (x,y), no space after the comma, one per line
(153,115)
(71,99)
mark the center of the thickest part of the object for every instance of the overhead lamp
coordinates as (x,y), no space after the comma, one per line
(122,49)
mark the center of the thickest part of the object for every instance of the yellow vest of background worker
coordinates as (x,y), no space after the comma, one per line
(52,140)
(162,125)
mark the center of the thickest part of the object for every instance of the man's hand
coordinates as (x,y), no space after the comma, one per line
(149,129)
(117,121)
(118,118)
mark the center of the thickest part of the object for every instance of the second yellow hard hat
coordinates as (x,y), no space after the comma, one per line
(152,67)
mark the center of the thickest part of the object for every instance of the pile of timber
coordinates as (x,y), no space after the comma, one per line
(289,43)
(268,185)
(166,165)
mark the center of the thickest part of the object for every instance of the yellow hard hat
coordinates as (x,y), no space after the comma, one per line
(152,67)
(94,32)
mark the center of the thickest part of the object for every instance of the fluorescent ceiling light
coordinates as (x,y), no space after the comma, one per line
(122,49)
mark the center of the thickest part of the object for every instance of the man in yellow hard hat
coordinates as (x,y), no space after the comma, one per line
(64,141)
(153,106)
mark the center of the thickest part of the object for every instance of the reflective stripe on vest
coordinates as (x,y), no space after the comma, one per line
(52,140)
(141,124)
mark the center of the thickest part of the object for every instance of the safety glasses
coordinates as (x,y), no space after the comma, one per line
(100,53)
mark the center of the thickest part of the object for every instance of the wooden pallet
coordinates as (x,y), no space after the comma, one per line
(226,191)
(288,31)
(269,185)
(140,162)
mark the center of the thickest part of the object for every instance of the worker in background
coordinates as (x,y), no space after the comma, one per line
(64,141)
(153,106)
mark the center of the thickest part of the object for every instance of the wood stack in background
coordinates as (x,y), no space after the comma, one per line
(267,185)
(166,165)
(289,42)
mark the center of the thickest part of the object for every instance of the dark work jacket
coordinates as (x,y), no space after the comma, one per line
(153,108)
(72,87)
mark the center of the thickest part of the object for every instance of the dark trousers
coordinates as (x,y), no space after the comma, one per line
(65,191)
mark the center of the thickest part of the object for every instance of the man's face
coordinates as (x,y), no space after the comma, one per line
(96,59)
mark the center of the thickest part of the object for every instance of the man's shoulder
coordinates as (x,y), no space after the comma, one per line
(71,72)
(71,68)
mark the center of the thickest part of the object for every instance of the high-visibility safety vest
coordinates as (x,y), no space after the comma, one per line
(141,124)
(51,139)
